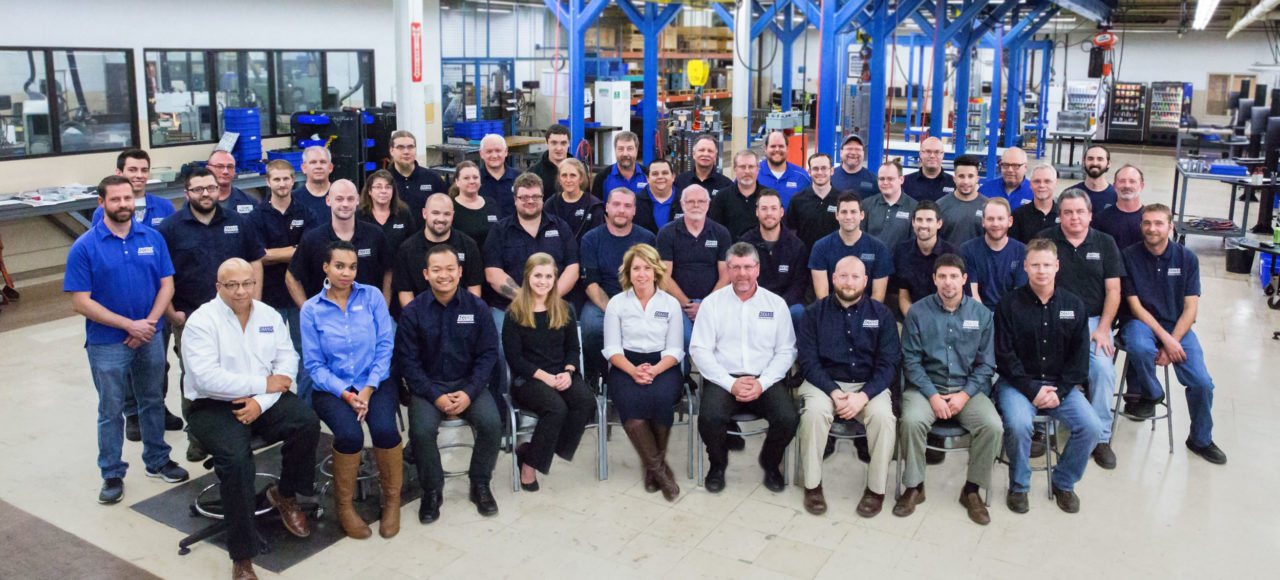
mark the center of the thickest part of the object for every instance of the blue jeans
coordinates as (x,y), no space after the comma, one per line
(1102,384)
(688,334)
(592,325)
(1192,374)
(348,433)
(797,311)
(131,404)
(1018,414)
(498,384)
(291,317)
(118,369)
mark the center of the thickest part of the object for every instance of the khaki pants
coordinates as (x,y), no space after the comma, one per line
(978,416)
(816,415)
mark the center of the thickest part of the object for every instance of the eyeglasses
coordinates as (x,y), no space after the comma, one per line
(229,167)
(928,152)
(1012,165)
(233,286)
(528,198)
(203,190)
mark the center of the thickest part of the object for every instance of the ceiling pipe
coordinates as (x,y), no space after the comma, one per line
(1257,13)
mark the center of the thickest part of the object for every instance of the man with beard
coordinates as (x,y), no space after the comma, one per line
(888,216)
(705,172)
(931,182)
(1097,160)
(812,212)
(659,203)
(848,354)
(413,182)
(995,259)
(734,207)
(776,172)
(602,250)
(120,278)
(317,166)
(497,180)
(231,198)
(849,240)
(913,259)
(548,166)
(783,257)
(407,273)
(624,172)
(851,175)
(961,210)
(200,237)
(1123,219)
(1012,183)
(1042,212)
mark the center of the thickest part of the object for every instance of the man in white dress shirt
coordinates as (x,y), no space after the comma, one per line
(743,343)
(240,365)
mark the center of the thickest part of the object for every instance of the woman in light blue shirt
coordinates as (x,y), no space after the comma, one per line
(347,338)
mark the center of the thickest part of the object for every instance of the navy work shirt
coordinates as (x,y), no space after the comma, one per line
(1162,283)
(858,344)
(445,348)
(783,264)
(1042,343)
(411,259)
(694,260)
(500,191)
(509,246)
(318,206)
(810,217)
(995,273)
(1124,227)
(873,253)
(418,186)
(239,202)
(861,182)
(913,271)
(1084,269)
(280,230)
(713,183)
(1099,200)
(602,254)
(921,188)
(198,250)
(373,257)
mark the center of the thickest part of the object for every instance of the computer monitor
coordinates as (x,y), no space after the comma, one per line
(1260,95)
(1243,113)
(1233,100)
(1272,140)
(1257,128)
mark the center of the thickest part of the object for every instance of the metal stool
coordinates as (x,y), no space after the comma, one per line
(366,477)
(948,430)
(1120,396)
(685,410)
(841,430)
(454,423)
(1050,448)
(739,419)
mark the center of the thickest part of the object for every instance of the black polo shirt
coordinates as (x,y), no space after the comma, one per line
(239,202)
(810,217)
(197,250)
(1162,283)
(411,259)
(921,188)
(784,264)
(318,206)
(913,271)
(373,256)
(1028,221)
(1042,343)
(509,246)
(1083,269)
(733,211)
(550,175)
(445,348)
(500,191)
(581,216)
(418,186)
(1124,227)
(694,260)
(400,226)
(279,230)
(713,183)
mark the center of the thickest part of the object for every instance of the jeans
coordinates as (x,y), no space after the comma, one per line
(688,334)
(130,403)
(1192,374)
(797,311)
(424,427)
(562,418)
(290,316)
(592,324)
(1102,384)
(498,384)
(1018,415)
(348,433)
(118,369)
(228,441)
(773,405)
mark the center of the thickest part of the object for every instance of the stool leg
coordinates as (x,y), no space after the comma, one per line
(1168,408)
(1051,447)
(1115,413)
(602,439)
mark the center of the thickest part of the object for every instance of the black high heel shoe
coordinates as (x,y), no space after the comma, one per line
(520,453)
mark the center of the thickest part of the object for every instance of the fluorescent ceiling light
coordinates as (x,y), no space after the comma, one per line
(1204,13)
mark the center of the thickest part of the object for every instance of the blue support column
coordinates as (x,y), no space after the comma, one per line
(993,113)
(1014,43)
(967,37)
(880,28)
(787,34)
(961,130)
(576,16)
(831,21)
(939,70)
(650,23)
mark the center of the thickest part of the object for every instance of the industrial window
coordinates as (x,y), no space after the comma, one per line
(244,81)
(64,100)
(298,85)
(177,89)
(348,79)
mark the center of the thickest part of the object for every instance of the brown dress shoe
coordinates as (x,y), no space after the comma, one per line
(243,570)
(977,509)
(294,520)
(814,502)
(871,503)
(908,501)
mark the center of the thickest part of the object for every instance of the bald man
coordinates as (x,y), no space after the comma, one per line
(497,180)
(1012,184)
(930,182)
(306,276)
(231,198)
(240,367)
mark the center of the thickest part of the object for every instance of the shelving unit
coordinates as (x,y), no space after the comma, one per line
(1166,115)
(1082,96)
(1127,115)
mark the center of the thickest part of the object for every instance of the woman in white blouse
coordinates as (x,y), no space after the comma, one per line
(644,344)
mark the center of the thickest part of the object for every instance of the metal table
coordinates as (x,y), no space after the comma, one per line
(1070,169)
(1182,228)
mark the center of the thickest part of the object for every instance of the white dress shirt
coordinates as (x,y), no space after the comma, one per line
(752,337)
(657,327)
(225,362)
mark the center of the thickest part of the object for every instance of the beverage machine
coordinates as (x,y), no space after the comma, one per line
(1127,113)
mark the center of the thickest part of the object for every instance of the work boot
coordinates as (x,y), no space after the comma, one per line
(391,478)
(345,468)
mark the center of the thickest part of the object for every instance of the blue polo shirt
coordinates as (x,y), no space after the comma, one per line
(1099,200)
(1125,227)
(198,249)
(873,253)
(913,271)
(239,202)
(500,191)
(602,255)
(694,260)
(153,214)
(1162,282)
(654,215)
(509,246)
(994,187)
(793,180)
(121,274)
(613,180)
(279,230)
(995,273)
(862,182)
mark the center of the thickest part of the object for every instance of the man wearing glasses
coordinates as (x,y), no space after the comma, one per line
(931,182)
(231,198)
(201,236)
(1012,184)
(414,183)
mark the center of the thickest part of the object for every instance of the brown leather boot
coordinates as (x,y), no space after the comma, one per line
(662,434)
(647,447)
(345,468)
(391,478)
(243,570)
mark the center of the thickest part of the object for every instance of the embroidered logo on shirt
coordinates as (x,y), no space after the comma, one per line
(902,215)
(493,218)
(1057,220)
(244,208)
(357,308)
(642,184)
(266,329)
(1172,271)
(978,213)
(783,268)
(231,229)
(765,315)
(462,256)
(1067,314)
(364,252)
(791,184)
(579,212)
(297,223)
(948,189)
(1092,256)
(867,257)
(661,314)
(466,319)
(871,323)
(149,250)
(552,234)
(831,209)
(713,243)
(397,227)
(970,325)
(156,221)
(426,187)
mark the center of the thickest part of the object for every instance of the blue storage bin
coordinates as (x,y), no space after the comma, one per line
(313,119)
(304,143)
(1264,267)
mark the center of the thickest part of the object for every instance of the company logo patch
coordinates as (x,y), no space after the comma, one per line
(357,308)
(397,227)
(1092,256)
(902,215)
(364,252)
(948,189)
(297,223)
(462,256)
(1172,271)
(784,268)
(978,213)
(713,243)
(766,315)
(831,209)
(466,319)
(791,184)
(147,251)
(552,234)
(867,257)
(970,325)
(661,315)
(244,208)
(493,219)
(871,323)
(266,329)
(1067,314)
(231,229)
(156,221)
(424,187)
(579,212)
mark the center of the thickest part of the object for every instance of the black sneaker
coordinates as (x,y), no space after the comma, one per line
(132,431)
(171,473)
(1104,456)
(112,491)
(1140,410)
(714,481)
(172,422)
(1037,444)
(1210,452)
(1017,502)
(196,453)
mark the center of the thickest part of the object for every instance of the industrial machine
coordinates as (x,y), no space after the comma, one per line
(683,127)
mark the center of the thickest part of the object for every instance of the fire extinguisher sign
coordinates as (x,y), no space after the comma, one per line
(415,40)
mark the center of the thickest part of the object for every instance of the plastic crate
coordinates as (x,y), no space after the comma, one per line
(1264,267)
(293,156)
(312,119)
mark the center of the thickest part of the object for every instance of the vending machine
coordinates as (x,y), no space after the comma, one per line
(1127,113)
(1170,108)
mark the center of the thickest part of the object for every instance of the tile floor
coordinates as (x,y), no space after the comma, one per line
(1156,515)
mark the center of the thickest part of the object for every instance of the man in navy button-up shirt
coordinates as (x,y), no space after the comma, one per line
(777,173)
(497,180)
(1163,293)
(447,350)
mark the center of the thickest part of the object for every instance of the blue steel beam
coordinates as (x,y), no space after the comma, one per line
(962,22)
(993,112)
(650,23)
(576,16)
(830,85)
(965,40)
(787,34)
(766,16)
(810,11)
(1095,10)
(907,9)
(725,16)
(1013,42)
(880,29)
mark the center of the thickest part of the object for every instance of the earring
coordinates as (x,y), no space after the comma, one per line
(327,283)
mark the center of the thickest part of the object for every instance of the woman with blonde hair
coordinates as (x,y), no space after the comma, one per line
(473,214)
(644,343)
(540,342)
(581,210)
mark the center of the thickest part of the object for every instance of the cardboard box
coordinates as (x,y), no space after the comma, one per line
(636,43)
(602,37)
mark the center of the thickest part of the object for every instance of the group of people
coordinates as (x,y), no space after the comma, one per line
(804,296)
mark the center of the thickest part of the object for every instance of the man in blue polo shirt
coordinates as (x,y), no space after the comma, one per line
(497,179)
(1012,183)
(231,198)
(121,279)
(135,165)
(851,175)
(201,236)
(1163,294)
(850,240)
(601,255)
(777,173)
(995,259)
(624,172)
(1097,160)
